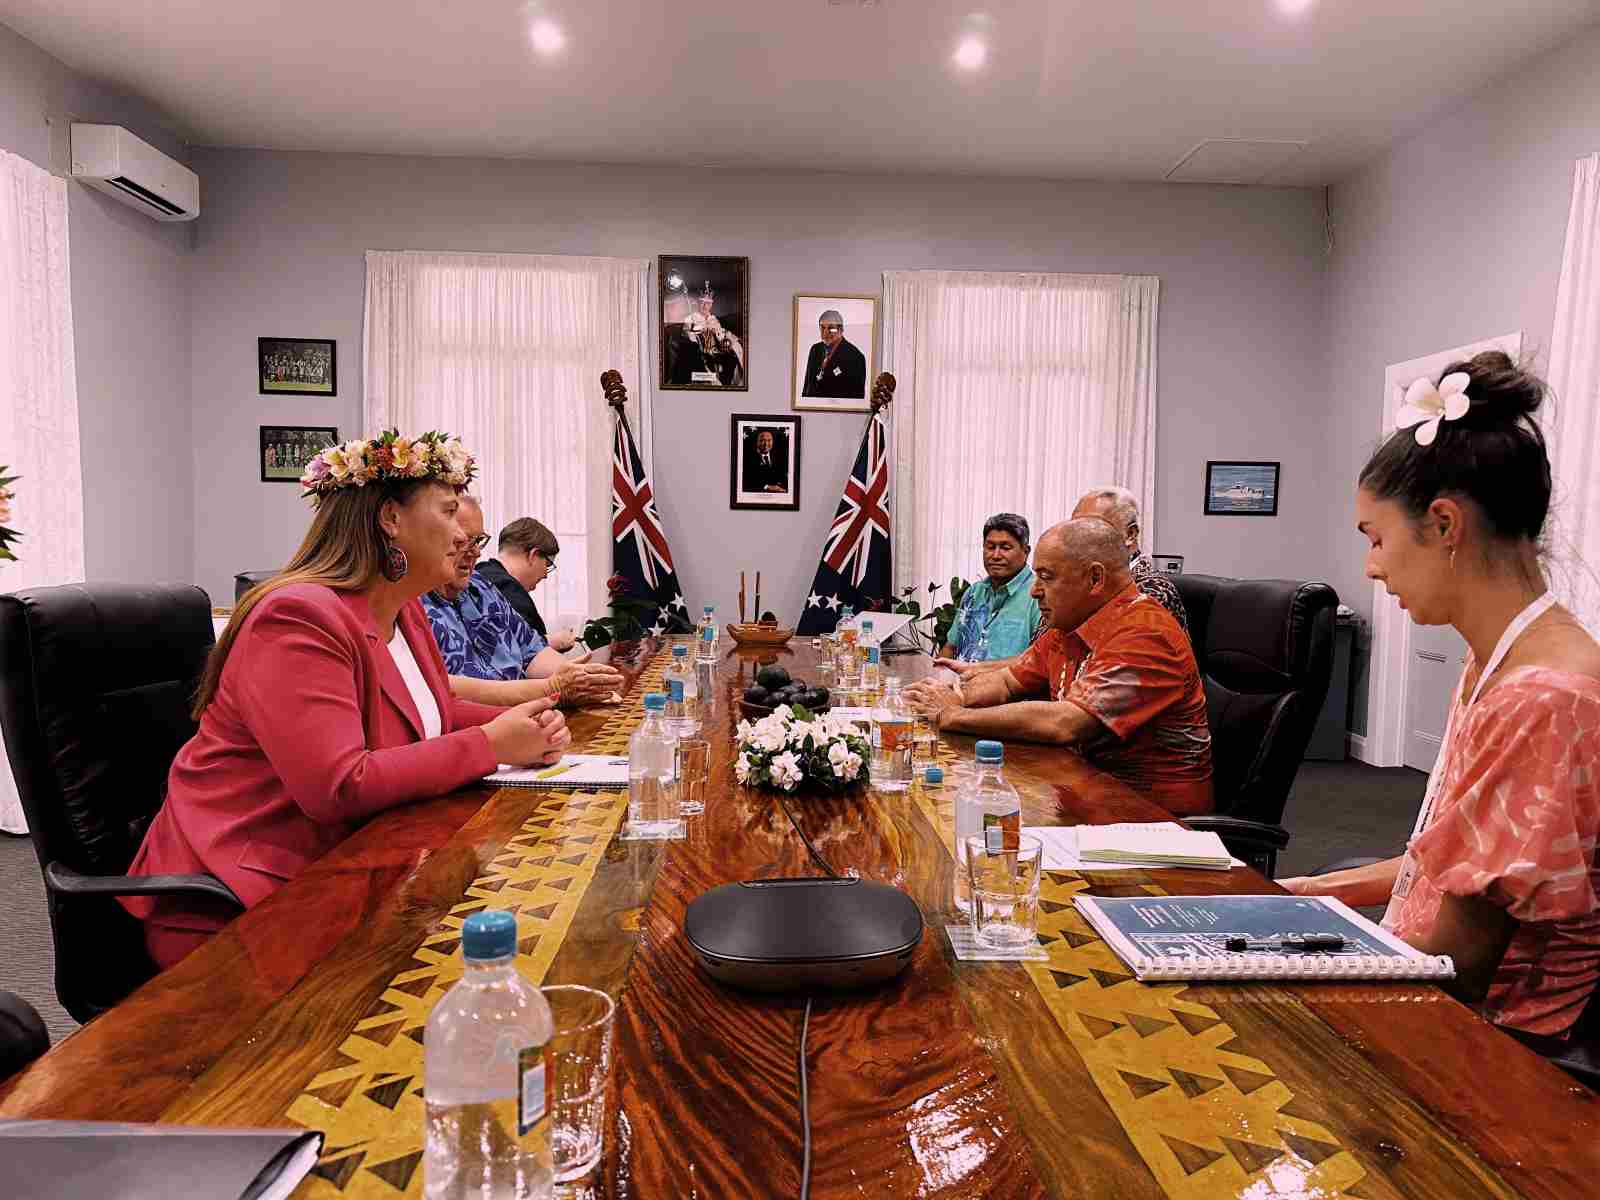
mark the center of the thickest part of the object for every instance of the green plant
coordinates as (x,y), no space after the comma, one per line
(626,622)
(939,618)
(7,536)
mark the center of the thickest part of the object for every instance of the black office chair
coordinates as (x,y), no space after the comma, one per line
(245,580)
(95,686)
(1265,651)
(23,1036)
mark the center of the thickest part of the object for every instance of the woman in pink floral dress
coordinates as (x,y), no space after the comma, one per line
(1501,872)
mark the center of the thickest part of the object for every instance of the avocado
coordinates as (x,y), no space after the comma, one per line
(757,695)
(772,678)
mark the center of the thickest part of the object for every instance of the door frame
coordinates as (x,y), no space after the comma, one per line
(1390,657)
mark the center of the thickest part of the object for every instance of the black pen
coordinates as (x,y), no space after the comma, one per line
(1306,943)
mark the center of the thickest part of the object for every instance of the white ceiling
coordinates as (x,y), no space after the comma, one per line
(1086,89)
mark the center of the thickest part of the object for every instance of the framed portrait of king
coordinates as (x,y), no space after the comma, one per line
(705,323)
(835,341)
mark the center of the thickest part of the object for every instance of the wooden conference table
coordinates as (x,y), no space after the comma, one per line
(1058,1079)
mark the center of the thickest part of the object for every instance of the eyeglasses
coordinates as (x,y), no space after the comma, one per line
(476,545)
(549,560)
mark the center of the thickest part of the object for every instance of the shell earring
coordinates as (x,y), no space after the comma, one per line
(395,563)
(1452,558)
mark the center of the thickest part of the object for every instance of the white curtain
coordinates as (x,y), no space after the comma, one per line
(1575,378)
(1015,393)
(38,396)
(505,351)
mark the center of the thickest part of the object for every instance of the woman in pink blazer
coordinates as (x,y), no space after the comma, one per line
(325,701)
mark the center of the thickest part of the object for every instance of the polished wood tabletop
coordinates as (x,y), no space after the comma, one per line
(958,1079)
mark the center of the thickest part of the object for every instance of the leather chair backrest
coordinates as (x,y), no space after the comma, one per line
(245,580)
(1265,651)
(95,689)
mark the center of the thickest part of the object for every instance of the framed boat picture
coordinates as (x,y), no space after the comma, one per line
(1241,489)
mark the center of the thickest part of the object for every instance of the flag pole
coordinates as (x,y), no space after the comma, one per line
(883,396)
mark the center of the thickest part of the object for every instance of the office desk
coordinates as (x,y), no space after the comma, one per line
(1058,1079)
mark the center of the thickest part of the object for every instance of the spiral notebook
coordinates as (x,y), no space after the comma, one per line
(1186,937)
(575,772)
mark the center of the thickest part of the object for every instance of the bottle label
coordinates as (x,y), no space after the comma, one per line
(533,1093)
(892,735)
(1002,831)
(873,655)
(675,689)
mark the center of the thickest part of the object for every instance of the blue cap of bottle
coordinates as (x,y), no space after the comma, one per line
(655,702)
(933,776)
(680,652)
(711,608)
(990,752)
(489,934)
(866,623)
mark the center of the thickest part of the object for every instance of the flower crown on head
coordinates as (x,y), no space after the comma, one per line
(1424,405)
(389,457)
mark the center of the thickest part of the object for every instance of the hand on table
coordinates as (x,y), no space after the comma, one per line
(587,683)
(960,666)
(932,700)
(531,734)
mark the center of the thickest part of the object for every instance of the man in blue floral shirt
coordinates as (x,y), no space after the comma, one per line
(486,643)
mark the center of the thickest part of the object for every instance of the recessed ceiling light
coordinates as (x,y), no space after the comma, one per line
(547,37)
(1295,8)
(971,53)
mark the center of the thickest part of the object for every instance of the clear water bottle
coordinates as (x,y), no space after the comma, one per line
(683,694)
(986,802)
(847,661)
(706,635)
(484,1075)
(653,774)
(891,740)
(871,658)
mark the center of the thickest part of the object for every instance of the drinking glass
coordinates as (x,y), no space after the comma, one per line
(694,770)
(1004,871)
(923,740)
(579,1064)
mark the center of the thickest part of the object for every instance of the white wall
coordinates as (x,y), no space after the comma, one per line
(130,304)
(279,253)
(1454,235)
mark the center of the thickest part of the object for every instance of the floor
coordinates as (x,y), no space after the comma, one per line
(1336,810)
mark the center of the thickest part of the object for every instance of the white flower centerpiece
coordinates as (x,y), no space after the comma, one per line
(792,746)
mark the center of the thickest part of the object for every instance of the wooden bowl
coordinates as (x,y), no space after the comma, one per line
(752,634)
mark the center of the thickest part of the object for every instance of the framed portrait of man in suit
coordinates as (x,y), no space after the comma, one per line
(835,341)
(764,462)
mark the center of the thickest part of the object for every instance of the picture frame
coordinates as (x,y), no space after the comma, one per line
(833,377)
(285,449)
(753,483)
(297,366)
(1241,489)
(703,304)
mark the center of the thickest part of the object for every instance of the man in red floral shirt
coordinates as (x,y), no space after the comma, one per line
(1115,676)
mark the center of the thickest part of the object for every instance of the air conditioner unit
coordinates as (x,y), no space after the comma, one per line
(110,158)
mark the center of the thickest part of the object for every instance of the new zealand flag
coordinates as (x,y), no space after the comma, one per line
(854,570)
(639,553)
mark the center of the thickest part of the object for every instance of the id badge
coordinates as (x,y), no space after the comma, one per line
(1403,880)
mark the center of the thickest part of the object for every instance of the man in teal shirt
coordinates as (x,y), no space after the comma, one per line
(998,615)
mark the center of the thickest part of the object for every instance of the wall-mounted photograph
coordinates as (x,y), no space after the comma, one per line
(764,462)
(705,322)
(286,449)
(1241,489)
(297,366)
(835,339)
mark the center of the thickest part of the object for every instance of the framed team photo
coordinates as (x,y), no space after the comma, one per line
(1241,489)
(286,449)
(297,366)
(705,323)
(764,462)
(835,343)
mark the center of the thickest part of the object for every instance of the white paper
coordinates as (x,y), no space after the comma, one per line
(1061,850)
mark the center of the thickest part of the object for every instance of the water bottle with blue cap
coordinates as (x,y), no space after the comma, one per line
(652,774)
(485,1075)
(986,802)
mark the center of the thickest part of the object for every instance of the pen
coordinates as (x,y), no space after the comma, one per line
(1306,943)
(559,769)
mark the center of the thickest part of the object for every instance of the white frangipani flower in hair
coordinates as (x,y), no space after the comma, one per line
(1425,405)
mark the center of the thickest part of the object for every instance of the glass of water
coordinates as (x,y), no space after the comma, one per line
(694,770)
(1003,868)
(578,1067)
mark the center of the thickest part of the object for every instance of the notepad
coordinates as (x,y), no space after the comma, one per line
(1065,849)
(1157,844)
(1186,937)
(574,772)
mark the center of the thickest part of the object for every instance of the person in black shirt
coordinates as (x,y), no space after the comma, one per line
(835,367)
(527,552)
